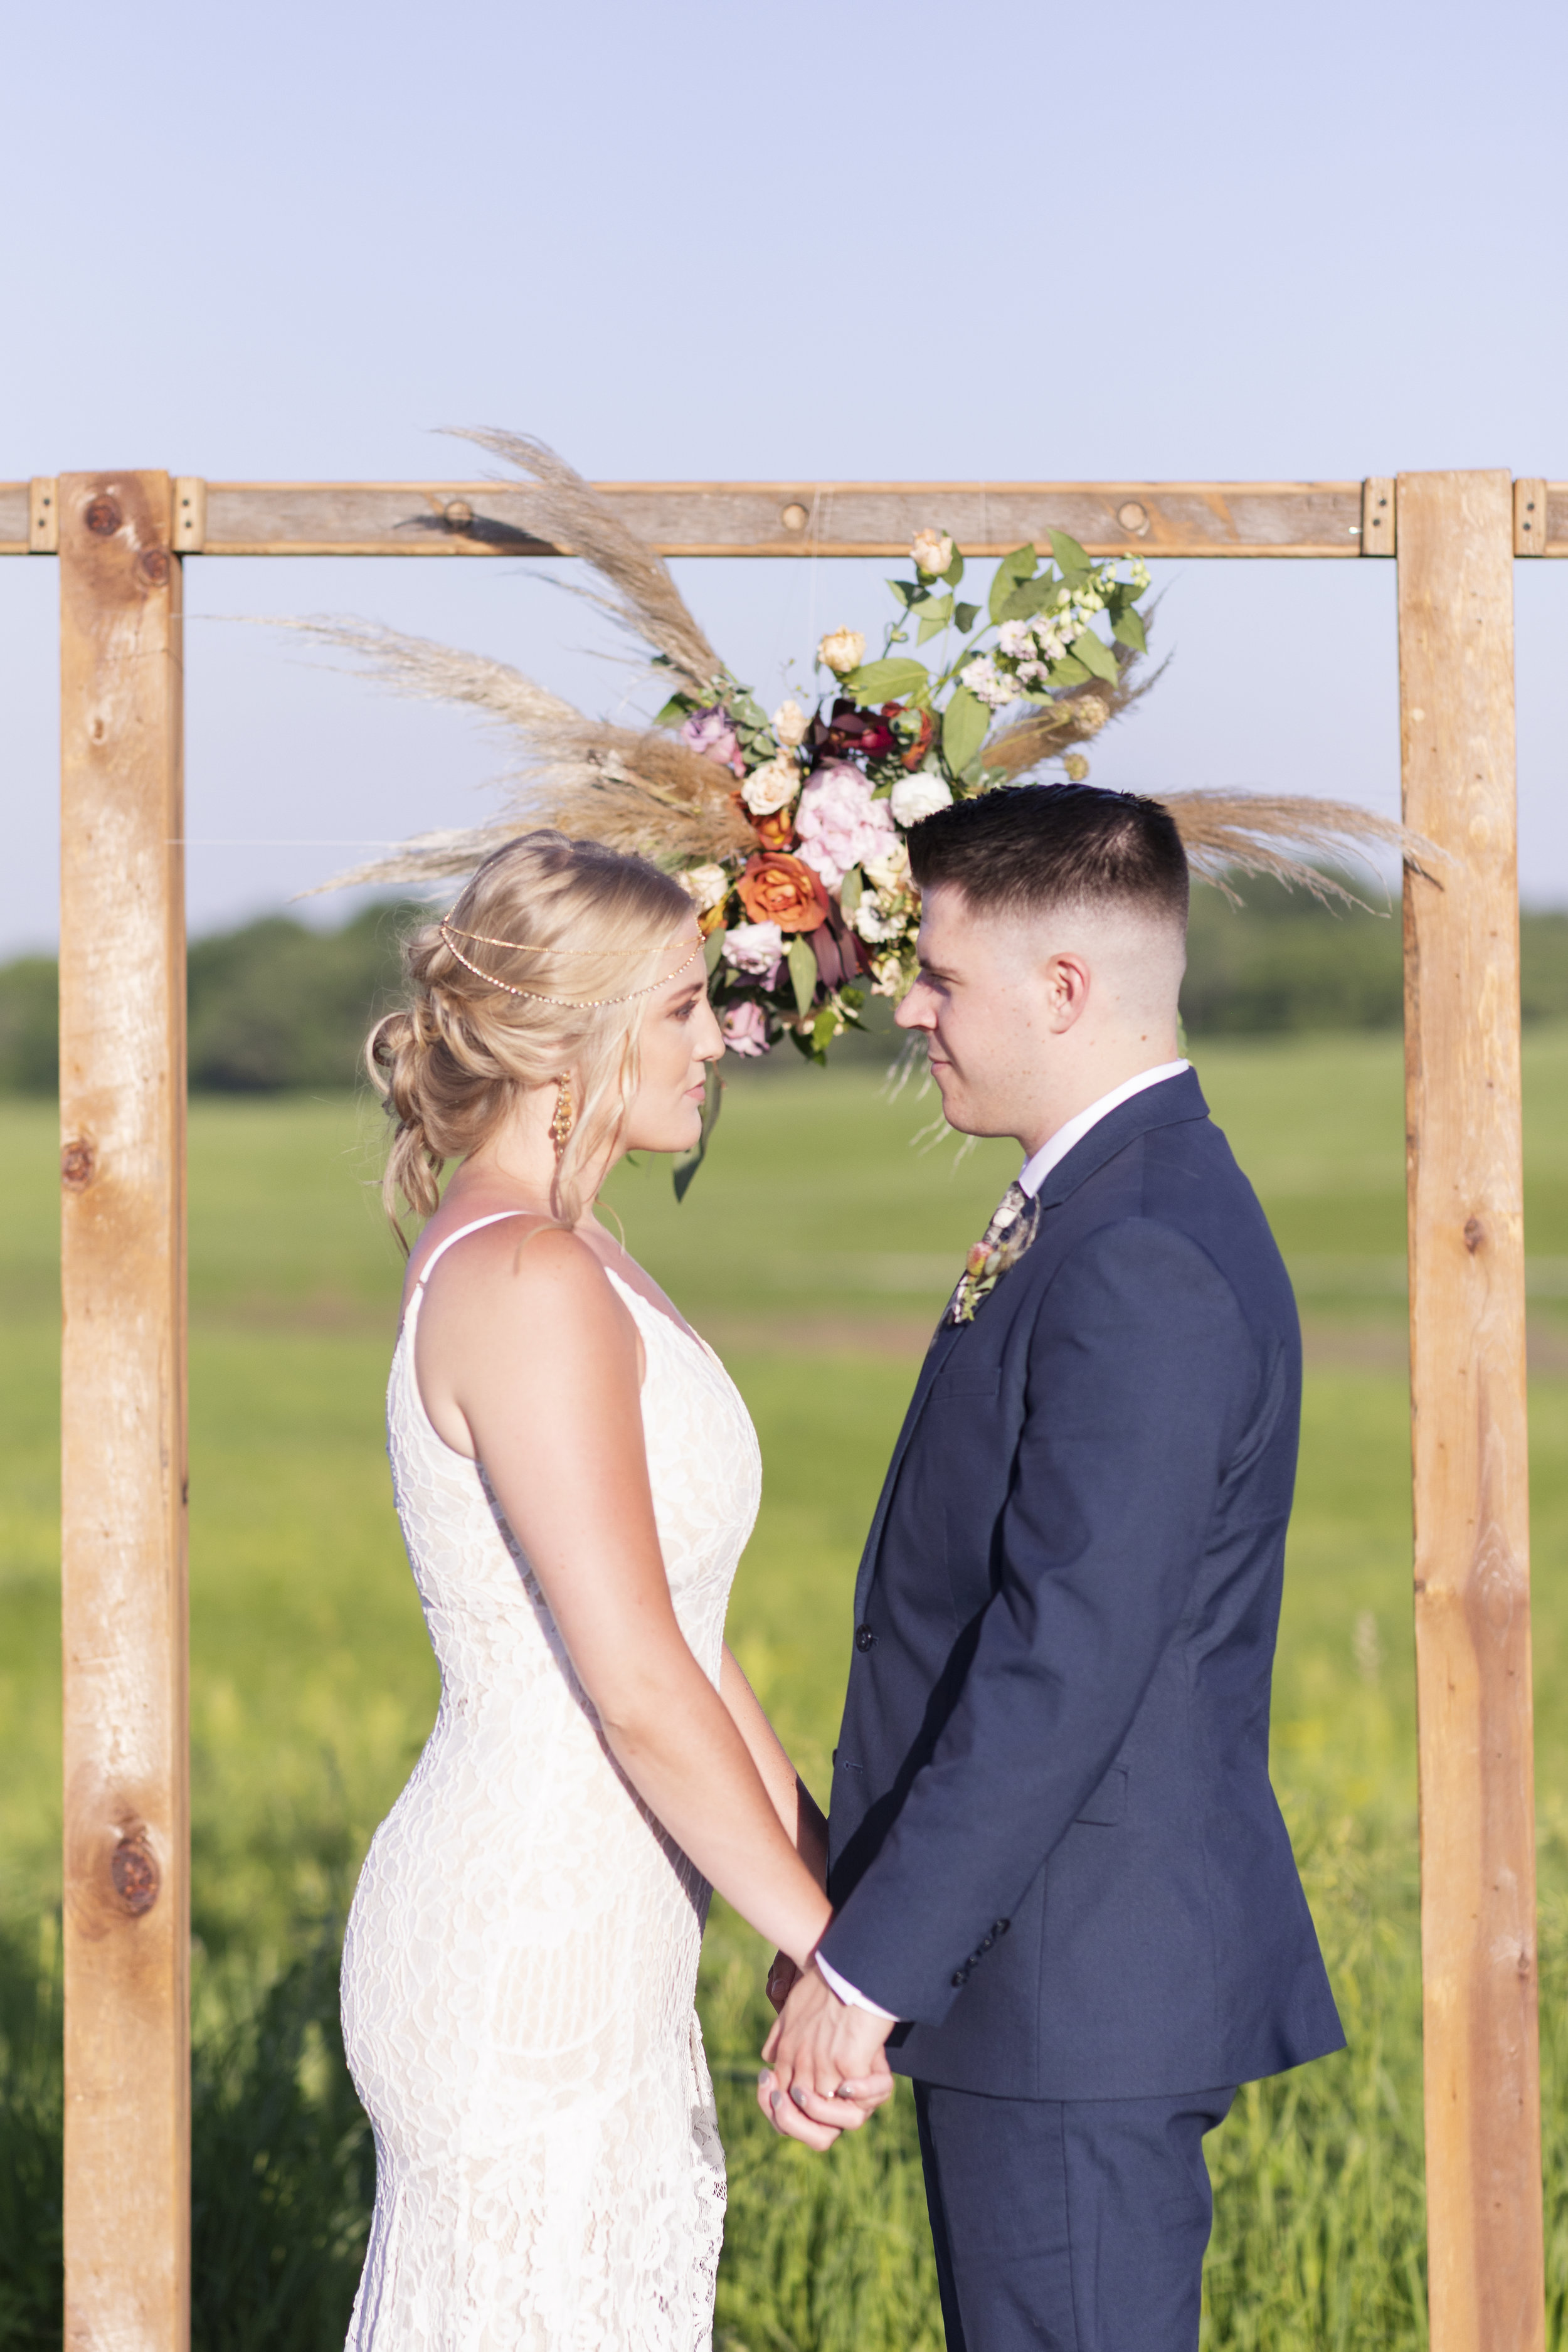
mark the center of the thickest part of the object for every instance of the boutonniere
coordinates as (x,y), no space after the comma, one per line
(1002,1245)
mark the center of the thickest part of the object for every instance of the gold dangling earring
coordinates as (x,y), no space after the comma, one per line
(565,1117)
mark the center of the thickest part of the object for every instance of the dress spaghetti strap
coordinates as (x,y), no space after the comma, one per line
(496,1217)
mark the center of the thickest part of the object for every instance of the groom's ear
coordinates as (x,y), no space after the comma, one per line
(1065,980)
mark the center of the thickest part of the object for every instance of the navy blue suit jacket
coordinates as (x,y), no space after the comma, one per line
(1055,1851)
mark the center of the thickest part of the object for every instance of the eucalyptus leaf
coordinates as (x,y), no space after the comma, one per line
(1096,657)
(1069,556)
(802,960)
(686,1167)
(965,725)
(1013,568)
(1065,671)
(1129,631)
(888,681)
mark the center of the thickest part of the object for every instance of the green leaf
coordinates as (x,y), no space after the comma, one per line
(1030,596)
(677,707)
(852,889)
(1065,671)
(1018,566)
(1129,631)
(965,617)
(687,1164)
(903,591)
(935,619)
(1096,657)
(965,726)
(822,1031)
(1069,556)
(801,963)
(713,948)
(888,681)
(955,572)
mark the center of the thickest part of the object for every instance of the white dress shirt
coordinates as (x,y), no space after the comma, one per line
(1034,1172)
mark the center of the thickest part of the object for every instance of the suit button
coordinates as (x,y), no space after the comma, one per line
(864,1638)
(1000,1927)
(958,1976)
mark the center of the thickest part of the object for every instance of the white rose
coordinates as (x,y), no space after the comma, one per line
(891,871)
(932,551)
(913,797)
(841,651)
(771,787)
(790,723)
(705,886)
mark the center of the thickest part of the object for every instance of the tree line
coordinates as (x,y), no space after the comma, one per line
(276,1004)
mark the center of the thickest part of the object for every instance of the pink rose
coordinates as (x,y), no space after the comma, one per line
(839,824)
(711,733)
(745,1028)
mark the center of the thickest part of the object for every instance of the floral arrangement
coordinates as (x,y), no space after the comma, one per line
(819,910)
(790,830)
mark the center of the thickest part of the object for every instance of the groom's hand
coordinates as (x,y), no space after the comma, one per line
(827,2069)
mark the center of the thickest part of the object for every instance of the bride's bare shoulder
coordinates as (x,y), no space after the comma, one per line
(527,1270)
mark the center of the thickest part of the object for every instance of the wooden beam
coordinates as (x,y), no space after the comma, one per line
(1468,1399)
(122,1093)
(824,518)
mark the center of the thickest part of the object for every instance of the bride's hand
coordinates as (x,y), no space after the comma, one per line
(781,1975)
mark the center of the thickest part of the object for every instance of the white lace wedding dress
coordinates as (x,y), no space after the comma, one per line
(522,1955)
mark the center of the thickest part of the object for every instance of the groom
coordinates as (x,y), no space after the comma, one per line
(1066,1900)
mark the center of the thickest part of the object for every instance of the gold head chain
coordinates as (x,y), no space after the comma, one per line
(574,1004)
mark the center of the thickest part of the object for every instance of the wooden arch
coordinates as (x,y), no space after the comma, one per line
(120,540)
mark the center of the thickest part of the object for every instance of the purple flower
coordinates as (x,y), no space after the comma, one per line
(840,825)
(745,1028)
(711,733)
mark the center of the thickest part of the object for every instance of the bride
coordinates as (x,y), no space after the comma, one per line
(576,1477)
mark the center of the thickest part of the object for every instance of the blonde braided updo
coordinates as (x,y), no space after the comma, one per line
(559,944)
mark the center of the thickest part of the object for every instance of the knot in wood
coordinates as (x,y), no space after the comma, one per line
(1475,1234)
(1133,516)
(78,1164)
(134,1872)
(154,566)
(457,514)
(103,517)
(794,517)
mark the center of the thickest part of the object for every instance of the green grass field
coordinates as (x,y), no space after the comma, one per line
(815,1249)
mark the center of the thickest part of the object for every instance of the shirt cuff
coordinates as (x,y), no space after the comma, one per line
(849,1992)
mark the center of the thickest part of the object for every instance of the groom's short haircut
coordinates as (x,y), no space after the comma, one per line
(1026,849)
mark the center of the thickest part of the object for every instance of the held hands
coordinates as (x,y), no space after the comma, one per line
(825,2070)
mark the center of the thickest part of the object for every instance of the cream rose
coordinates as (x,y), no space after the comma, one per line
(841,651)
(704,886)
(932,551)
(771,787)
(890,872)
(790,723)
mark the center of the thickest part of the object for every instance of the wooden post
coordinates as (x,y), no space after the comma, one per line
(1454,537)
(123,1095)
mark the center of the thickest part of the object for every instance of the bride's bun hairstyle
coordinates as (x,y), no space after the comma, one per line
(1027,849)
(542,969)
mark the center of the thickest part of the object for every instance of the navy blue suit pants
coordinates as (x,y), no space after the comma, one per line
(1069,2225)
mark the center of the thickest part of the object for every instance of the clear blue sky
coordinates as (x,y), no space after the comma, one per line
(857,240)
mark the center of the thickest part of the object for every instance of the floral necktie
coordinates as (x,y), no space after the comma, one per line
(1003,1243)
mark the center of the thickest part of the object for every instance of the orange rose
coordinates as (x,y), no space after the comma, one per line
(777,888)
(775,832)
